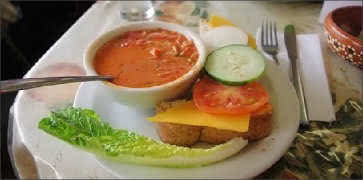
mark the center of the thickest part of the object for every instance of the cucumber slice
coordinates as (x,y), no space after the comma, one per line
(235,64)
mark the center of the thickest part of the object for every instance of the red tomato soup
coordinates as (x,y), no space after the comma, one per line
(146,58)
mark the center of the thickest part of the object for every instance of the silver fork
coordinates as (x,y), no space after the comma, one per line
(28,83)
(269,40)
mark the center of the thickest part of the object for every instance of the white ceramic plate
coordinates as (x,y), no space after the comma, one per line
(251,161)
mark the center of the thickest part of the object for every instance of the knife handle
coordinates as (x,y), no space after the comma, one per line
(301,95)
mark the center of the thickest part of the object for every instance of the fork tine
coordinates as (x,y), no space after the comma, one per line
(270,33)
(267,32)
(263,32)
(275,33)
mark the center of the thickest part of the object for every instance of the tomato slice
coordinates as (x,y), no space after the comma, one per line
(216,98)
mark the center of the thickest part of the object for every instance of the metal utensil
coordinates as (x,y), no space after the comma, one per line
(28,83)
(269,40)
(290,41)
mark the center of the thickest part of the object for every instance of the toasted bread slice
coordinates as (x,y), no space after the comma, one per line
(187,135)
(259,127)
(178,134)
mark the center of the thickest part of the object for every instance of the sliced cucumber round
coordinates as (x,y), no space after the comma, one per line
(235,64)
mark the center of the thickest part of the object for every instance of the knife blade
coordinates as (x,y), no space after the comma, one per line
(291,46)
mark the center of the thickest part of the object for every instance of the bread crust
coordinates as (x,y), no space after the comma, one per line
(178,134)
(260,126)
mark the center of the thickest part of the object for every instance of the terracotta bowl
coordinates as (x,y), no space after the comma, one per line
(343,26)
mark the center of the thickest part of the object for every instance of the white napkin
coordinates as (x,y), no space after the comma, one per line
(314,78)
(329,6)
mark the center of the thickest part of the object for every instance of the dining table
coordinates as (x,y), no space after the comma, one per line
(312,155)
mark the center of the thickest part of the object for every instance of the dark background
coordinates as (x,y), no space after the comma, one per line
(24,42)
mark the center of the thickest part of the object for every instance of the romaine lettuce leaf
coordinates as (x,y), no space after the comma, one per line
(83,128)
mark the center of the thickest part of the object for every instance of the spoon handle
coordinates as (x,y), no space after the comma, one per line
(28,83)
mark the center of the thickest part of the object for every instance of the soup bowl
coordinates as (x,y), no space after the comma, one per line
(146,97)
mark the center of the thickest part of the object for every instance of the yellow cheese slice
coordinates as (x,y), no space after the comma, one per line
(217,21)
(187,113)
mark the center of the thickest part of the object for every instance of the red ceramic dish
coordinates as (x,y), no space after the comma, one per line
(343,26)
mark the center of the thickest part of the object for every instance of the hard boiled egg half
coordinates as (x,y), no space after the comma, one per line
(224,35)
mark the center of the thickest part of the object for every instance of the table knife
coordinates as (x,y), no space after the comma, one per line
(290,42)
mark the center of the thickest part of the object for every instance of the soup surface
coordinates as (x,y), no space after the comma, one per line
(146,58)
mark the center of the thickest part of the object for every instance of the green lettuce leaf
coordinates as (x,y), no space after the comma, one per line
(83,128)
